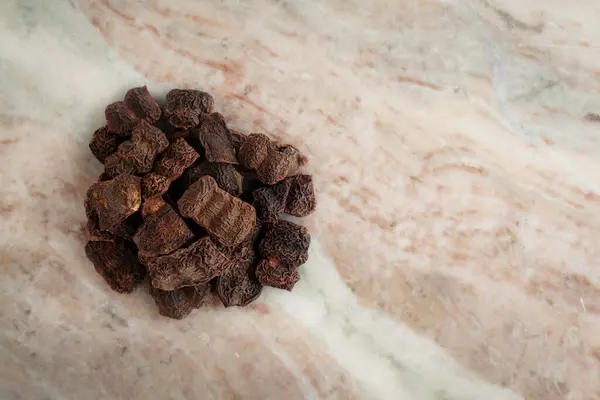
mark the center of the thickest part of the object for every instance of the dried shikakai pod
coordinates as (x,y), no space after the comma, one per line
(178,156)
(286,241)
(117,262)
(227,218)
(136,156)
(184,107)
(226,176)
(271,272)
(103,143)
(142,104)
(120,120)
(194,265)
(162,232)
(154,184)
(301,198)
(111,202)
(95,234)
(179,303)
(238,286)
(237,138)
(272,163)
(270,201)
(215,139)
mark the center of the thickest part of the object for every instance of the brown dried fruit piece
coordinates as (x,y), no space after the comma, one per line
(196,264)
(301,198)
(271,163)
(216,140)
(162,232)
(237,138)
(178,156)
(224,217)
(103,143)
(270,201)
(226,176)
(114,200)
(286,241)
(120,120)
(178,304)
(184,107)
(94,233)
(154,184)
(142,104)
(238,286)
(117,263)
(271,272)
(136,156)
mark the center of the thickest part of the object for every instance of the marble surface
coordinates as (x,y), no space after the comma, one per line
(456,158)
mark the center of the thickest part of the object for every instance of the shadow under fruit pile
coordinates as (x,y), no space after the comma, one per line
(193,204)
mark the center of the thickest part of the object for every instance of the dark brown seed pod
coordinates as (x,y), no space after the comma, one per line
(191,266)
(117,262)
(271,272)
(301,198)
(103,143)
(216,140)
(226,218)
(286,241)
(111,202)
(142,104)
(178,304)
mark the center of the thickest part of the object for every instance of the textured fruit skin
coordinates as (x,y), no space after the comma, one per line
(178,304)
(226,218)
(118,264)
(286,241)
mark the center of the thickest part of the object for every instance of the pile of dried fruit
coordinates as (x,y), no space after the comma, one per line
(194,204)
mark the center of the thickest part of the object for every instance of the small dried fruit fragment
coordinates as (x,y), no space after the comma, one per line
(103,143)
(184,107)
(238,286)
(270,201)
(142,104)
(94,233)
(216,140)
(226,176)
(162,232)
(117,262)
(301,198)
(120,120)
(271,163)
(271,272)
(286,241)
(114,200)
(224,217)
(178,304)
(196,264)
(136,156)
(128,227)
(237,138)
(178,156)
(154,184)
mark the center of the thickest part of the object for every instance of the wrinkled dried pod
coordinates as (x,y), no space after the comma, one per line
(196,264)
(301,198)
(178,156)
(286,241)
(238,286)
(216,140)
(224,217)
(142,104)
(226,176)
(120,120)
(103,143)
(178,304)
(184,107)
(114,200)
(117,262)
(271,163)
(94,234)
(271,272)
(154,184)
(136,156)
(162,232)
(237,138)
(270,201)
